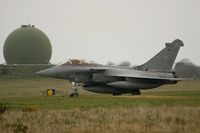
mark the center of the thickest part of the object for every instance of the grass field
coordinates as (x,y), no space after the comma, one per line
(171,108)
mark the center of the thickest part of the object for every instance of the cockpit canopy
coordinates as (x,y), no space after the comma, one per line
(77,62)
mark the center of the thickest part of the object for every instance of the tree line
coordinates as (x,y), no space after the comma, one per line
(186,69)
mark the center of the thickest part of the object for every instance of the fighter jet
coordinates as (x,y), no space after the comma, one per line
(119,80)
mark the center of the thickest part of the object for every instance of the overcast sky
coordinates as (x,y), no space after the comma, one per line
(107,30)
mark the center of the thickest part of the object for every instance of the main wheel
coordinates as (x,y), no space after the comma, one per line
(136,92)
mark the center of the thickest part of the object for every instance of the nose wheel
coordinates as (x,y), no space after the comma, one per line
(74,91)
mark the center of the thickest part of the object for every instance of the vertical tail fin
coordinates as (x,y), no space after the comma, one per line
(164,60)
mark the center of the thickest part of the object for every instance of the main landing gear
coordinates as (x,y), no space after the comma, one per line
(136,92)
(74,92)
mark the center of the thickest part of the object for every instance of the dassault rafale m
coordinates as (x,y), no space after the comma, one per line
(119,80)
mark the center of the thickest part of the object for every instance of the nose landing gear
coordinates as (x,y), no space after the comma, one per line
(74,91)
